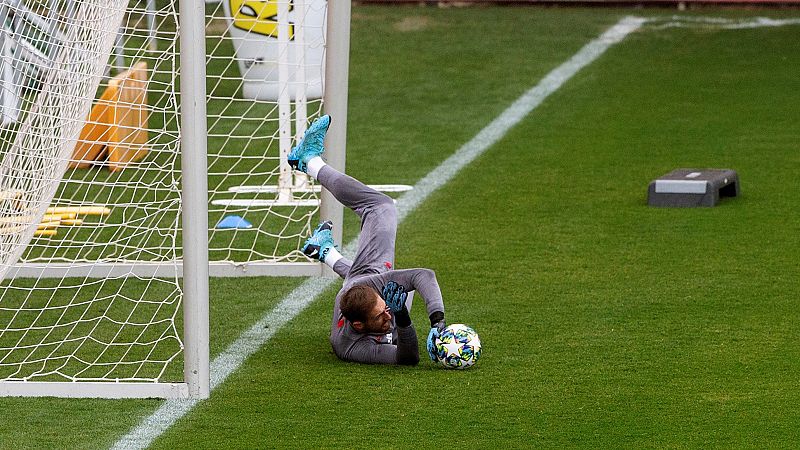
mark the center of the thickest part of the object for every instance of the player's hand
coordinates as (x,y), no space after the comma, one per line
(395,296)
(435,333)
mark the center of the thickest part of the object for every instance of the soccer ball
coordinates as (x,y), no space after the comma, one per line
(457,347)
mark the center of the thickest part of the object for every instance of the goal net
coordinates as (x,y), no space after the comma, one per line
(91,183)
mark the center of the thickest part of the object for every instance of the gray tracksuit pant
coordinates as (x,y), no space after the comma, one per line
(373,266)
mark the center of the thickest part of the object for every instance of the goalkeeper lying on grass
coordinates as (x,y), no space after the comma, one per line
(371,323)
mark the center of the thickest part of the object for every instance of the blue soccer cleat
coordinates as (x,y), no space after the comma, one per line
(311,144)
(320,242)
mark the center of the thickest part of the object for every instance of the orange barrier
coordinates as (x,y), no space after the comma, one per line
(116,130)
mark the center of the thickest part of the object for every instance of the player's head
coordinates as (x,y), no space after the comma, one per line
(366,310)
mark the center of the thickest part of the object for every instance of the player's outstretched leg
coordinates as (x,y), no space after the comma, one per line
(307,157)
(376,210)
(310,146)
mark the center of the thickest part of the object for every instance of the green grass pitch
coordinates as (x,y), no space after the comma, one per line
(605,323)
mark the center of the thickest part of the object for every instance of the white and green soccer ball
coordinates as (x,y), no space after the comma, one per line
(457,347)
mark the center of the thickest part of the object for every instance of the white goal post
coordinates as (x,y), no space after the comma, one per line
(114,183)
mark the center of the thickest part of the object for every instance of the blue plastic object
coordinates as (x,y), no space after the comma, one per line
(229,222)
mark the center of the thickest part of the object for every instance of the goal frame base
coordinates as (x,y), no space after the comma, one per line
(85,389)
(166,269)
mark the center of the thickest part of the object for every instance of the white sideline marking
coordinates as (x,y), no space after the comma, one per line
(251,340)
(722,23)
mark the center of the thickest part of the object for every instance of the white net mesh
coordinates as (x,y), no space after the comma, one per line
(252,121)
(90,111)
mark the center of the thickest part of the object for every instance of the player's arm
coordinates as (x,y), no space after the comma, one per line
(395,297)
(421,280)
(406,352)
(424,282)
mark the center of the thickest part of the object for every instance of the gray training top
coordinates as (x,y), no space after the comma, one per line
(372,266)
(399,345)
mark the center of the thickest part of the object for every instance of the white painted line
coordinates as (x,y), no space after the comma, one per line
(515,113)
(254,338)
(721,23)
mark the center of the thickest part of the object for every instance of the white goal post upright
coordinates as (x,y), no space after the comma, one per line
(195,197)
(300,180)
(335,103)
(284,113)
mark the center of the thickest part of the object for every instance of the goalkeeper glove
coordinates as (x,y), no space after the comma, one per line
(437,326)
(395,296)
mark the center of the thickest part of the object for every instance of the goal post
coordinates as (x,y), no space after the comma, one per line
(195,197)
(336,75)
(105,290)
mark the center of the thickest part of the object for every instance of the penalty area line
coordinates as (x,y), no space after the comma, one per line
(250,341)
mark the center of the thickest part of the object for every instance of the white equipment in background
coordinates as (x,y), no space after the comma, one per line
(316,189)
(279,47)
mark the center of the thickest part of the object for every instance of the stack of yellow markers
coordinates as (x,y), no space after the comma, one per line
(57,216)
(53,218)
